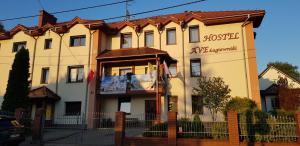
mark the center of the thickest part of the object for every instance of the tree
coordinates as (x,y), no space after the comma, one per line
(2,27)
(215,94)
(287,68)
(17,89)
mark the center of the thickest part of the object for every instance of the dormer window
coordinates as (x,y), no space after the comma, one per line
(18,45)
(126,40)
(77,41)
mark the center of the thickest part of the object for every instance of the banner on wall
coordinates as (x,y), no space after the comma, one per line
(113,85)
(143,82)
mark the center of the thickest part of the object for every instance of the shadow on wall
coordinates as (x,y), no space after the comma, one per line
(265,83)
(68,92)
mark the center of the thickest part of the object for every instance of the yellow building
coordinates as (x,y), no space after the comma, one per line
(128,58)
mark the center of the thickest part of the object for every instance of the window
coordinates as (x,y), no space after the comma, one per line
(18,45)
(48,44)
(73,108)
(195,67)
(45,75)
(77,41)
(194,34)
(197,105)
(124,71)
(75,74)
(124,104)
(275,103)
(149,39)
(171,36)
(126,40)
(173,69)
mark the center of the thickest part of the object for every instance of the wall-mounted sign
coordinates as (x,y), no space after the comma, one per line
(221,36)
(206,49)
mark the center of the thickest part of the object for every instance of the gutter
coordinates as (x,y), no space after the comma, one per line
(58,62)
(33,59)
(244,54)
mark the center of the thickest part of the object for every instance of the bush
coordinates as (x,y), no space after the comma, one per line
(257,126)
(240,105)
(219,130)
(282,112)
(189,129)
(158,130)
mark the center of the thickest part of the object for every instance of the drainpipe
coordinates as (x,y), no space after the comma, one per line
(138,34)
(33,58)
(244,54)
(159,32)
(88,68)
(182,24)
(58,62)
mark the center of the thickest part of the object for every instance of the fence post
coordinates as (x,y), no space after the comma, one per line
(297,117)
(233,128)
(38,125)
(172,128)
(119,128)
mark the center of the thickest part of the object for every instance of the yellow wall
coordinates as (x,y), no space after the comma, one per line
(70,56)
(232,66)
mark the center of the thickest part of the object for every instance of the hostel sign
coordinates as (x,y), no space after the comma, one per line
(216,37)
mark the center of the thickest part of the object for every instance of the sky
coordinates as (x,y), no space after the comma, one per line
(277,38)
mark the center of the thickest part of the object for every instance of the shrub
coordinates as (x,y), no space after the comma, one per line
(189,129)
(158,130)
(219,130)
(282,112)
(240,105)
(259,126)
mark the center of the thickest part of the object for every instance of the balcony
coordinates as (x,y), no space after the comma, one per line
(129,63)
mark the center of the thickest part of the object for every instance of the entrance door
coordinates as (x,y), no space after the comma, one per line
(150,110)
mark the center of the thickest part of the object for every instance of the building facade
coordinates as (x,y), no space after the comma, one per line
(129,59)
(270,93)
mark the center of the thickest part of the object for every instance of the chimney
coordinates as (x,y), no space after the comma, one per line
(45,18)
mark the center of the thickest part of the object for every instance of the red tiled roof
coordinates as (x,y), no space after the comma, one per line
(43,93)
(208,18)
(130,52)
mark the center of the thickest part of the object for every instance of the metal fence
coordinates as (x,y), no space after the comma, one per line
(66,121)
(104,120)
(72,129)
(193,126)
(147,125)
(267,128)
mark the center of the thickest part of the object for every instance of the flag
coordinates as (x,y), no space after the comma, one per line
(90,75)
(150,67)
(166,69)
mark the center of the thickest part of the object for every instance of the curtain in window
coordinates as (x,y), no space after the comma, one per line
(171,36)
(194,34)
(73,74)
(149,39)
(80,74)
(46,75)
(126,42)
(195,68)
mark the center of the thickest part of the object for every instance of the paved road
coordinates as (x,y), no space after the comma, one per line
(74,137)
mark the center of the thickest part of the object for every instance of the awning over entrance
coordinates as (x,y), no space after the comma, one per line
(43,93)
(132,53)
